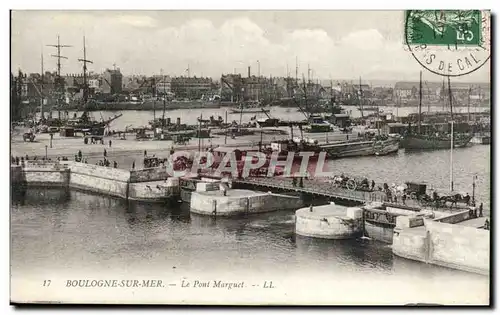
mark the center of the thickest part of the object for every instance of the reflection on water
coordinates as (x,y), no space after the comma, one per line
(189,116)
(96,233)
(431,167)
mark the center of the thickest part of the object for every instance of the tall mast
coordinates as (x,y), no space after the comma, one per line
(468,105)
(164,103)
(360,98)
(451,98)
(59,84)
(308,74)
(85,84)
(444,96)
(155,95)
(41,89)
(296,68)
(452,131)
(451,158)
(420,103)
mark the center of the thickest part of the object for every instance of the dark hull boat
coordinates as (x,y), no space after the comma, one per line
(421,142)
(361,148)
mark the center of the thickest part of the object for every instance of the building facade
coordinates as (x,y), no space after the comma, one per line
(112,81)
(190,87)
(163,85)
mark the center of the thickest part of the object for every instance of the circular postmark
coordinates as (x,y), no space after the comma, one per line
(448,42)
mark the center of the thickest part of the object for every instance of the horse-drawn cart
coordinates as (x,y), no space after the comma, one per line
(416,190)
(29,136)
(350,183)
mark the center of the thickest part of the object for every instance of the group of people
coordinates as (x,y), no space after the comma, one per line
(96,140)
(20,160)
(300,182)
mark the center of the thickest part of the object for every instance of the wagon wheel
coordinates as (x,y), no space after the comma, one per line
(351,184)
(413,195)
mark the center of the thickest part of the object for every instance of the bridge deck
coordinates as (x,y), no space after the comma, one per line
(315,187)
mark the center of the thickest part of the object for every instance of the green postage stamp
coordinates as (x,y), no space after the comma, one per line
(448,42)
(444,27)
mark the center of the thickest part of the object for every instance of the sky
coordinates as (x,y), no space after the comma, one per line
(335,44)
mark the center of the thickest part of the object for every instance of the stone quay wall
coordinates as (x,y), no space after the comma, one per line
(215,203)
(440,243)
(134,185)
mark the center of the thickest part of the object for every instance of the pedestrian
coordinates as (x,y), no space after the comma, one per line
(294,182)
(404,199)
(481,209)
(311,208)
(27,158)
(145,153)
(80,154)
(301,183)
(486,224)
(115,165)
(373,184)
(110,143)
(133,165)
(105,153)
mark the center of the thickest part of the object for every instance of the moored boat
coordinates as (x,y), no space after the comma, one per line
(376,146)
(425,142)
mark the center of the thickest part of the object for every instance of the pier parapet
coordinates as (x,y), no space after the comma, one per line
(216,198)
(446,241)
(329,221)
(142,185)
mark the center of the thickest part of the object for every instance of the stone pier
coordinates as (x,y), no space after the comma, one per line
(329,221)
(210,199)
(448,241)
(150,185)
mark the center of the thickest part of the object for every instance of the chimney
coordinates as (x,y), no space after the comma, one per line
(249,71)
(178,121)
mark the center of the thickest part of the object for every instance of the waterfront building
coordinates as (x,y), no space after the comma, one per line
(112,81)
(163,85)
(438,91)
(190,87)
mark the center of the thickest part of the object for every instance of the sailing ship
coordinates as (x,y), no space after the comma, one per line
(86,123)
(434,141)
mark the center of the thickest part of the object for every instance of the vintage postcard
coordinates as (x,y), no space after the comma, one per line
(250,157)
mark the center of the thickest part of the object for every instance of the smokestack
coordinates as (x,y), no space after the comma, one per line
(178,121)
(249,71)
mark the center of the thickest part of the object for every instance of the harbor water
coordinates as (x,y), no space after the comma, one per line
(136,118)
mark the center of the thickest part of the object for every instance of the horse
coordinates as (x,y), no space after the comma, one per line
(455,198)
